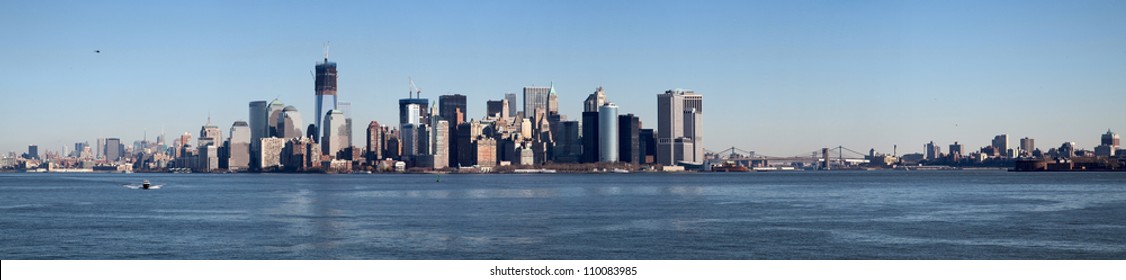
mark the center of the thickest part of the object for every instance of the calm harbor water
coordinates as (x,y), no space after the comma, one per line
(798,215)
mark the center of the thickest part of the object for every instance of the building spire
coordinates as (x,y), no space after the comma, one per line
(326,51)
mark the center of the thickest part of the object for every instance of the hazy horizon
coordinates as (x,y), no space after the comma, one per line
(779,78)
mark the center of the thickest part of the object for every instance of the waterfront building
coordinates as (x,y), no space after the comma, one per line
(629,139)
(452,109)
(439,141)
(526,156)
(1110,139)
(647,142)
(1108,145)
(679,127)
(568,148)
(393,148)
(608,133)
(486,150)
(324,91)
(956,152)
(33,151)
(334,135)
(238,147)
(375,139)
(466,134)
(1067,150)
(1000,144)
(408,135)
(101,148)
(1027,145)
(258,126)
(590,145)
(208,158)
(932,151)
(300,154)
(114,150)
(270,154)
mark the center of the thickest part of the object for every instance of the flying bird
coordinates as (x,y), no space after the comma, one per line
(97,51)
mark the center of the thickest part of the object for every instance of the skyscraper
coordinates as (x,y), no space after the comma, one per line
(511,98)
(238,148)
(408,140)
(413,114)
(629,139)
(647,139)
(258,126)
(1001,144)
(209,134)
(114,150)
(324,90)
(418,114)
(552,101)
(33,151)
(594,100)
(273,118)
(932,151)
(497,108)
(451,108)
(535,98)
(290,123)
(1027,145)
(679,127)
(1110,139)
(101,148)
(590,143)
(608,133)
(332,141)
(956,151)
(1108,145)
(439,144)
(374,142)
(346,108)
(568,148)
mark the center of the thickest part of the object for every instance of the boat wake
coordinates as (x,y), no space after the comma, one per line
(140,187)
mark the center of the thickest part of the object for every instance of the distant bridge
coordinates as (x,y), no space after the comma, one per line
(838,156)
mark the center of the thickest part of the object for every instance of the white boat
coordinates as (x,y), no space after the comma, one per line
(143,186)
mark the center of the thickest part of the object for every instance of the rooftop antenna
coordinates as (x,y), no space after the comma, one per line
(326,51)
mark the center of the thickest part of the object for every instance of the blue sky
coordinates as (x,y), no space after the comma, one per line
(781,78)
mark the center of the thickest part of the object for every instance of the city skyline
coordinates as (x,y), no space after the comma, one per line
(909,74)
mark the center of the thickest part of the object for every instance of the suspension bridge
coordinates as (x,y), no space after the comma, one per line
(836,157)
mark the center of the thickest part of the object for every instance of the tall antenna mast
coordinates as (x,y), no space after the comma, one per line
(326,51)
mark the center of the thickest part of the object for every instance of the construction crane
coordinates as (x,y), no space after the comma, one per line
(413,90)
